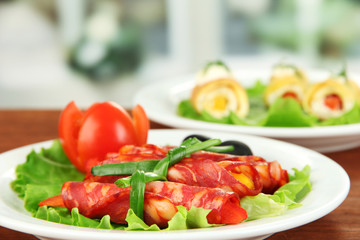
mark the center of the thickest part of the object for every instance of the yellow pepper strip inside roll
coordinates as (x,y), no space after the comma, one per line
(328,99)
(220,97)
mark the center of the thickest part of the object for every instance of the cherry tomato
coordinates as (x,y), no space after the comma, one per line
(103,128)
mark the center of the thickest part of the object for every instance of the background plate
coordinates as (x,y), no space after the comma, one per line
(330,186)
(160,102)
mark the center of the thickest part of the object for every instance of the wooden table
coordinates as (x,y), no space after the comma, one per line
(22,127)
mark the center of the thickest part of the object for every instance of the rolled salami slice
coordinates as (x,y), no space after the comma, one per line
(95,200)
(128,153)
(242,179)
(272,176)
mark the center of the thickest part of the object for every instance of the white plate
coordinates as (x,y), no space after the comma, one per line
(330,186)
(160,102)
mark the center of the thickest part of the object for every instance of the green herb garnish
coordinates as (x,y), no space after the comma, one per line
(139,178)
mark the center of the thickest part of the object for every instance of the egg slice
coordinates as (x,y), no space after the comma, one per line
(220,97)
(328,99)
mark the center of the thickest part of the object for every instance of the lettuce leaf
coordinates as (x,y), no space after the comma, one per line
(350,117)
(286,197)
(287,112)
(49,166)
(43,174)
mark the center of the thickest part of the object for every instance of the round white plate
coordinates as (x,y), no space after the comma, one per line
(330,186)
(160,101)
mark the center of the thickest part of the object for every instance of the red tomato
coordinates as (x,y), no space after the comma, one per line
(103,128)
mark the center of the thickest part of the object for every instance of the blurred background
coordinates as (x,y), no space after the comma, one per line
(55,51)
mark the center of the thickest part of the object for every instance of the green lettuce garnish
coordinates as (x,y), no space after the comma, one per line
(285,112)
(286,197)
(44,172)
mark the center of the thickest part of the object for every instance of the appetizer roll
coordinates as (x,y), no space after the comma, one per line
(328,99)
(95,200)
(354,87)
(244,175)
(286,81)
(218,93)
(272,176)
(243,179)
(220,97)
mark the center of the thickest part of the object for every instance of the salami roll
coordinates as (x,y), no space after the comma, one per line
(95,200)
(128,153)
(243,179)
(272,176)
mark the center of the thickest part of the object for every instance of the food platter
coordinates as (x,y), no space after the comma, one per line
(330,186)
(160,101)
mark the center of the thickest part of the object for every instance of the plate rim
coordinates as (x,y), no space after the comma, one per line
(226,234)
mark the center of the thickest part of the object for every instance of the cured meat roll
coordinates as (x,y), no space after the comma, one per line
(242,179)
(329,99)
(272,176)
(128,153)
(246,175)
(287,81)
(95,200)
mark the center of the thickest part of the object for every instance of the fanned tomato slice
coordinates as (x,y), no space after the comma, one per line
(68,129)
(141,124)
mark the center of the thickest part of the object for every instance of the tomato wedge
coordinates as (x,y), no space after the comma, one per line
(68,129)
(141,124)
(87,137)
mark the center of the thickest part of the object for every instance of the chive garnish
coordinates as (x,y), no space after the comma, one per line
(151,170)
